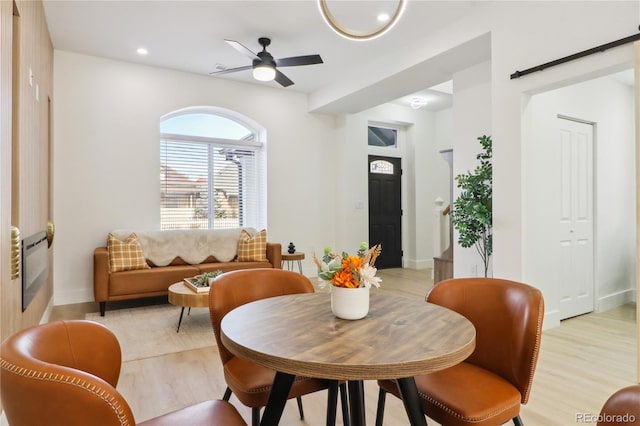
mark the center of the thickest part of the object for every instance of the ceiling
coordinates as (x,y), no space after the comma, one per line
(189,35)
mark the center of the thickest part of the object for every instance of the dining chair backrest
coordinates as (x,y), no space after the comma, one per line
(236,288)
(62,373)
(507,316)
(622,407)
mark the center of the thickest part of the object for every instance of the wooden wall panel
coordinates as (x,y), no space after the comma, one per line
(25,158)
(637,96)
(7,316)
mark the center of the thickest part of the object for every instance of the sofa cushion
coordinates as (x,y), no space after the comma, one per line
(252,248)
(125,255)
(150,281)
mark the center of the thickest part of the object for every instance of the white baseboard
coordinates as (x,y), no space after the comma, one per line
(614,300)
(551,320)
(47,312)
(417,264)
(69,297)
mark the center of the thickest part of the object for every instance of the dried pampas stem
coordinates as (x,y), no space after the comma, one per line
(317,262)
(372,254)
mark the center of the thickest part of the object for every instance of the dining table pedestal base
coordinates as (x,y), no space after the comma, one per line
(283,382)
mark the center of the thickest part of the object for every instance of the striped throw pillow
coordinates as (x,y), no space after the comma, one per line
(252,248)
(125,255)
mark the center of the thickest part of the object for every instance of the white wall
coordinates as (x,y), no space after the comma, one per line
(444,130)
(522,34)
(609,104)
(106,162)
(106,158)
(525,34)
(95,101)
(425,177)
(471,119)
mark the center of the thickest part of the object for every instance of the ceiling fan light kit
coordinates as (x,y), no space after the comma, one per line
(264,67)
(264,72)
(357,35)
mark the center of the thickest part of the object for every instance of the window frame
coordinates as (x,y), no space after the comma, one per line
(255,141)
(396,131)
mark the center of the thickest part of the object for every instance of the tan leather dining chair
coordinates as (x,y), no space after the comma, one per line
(249,382)
(489,387)
(621,408)
(65,373)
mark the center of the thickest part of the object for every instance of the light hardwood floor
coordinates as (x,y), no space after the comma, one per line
(581,363)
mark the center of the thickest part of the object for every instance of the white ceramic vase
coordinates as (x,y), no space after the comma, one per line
(350,303)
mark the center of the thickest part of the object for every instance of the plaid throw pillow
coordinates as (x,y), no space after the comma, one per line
(252,249)
(125,255)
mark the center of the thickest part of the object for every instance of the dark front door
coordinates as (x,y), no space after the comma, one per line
(385,209)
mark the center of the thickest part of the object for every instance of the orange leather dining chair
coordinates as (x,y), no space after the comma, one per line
(489,387)
(249,382)
(621,408)
(65,373)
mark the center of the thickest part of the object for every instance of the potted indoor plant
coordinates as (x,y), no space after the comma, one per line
(351,277)
(472,210)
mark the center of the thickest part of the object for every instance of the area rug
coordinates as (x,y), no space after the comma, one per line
(149,331)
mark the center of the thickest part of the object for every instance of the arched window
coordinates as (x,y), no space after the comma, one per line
(381,167)
(212,170)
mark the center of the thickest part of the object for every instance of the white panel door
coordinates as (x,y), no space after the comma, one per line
(576,222)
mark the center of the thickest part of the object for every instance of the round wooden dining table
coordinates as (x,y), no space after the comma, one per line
(298,335)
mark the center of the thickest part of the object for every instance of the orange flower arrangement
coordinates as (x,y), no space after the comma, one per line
(349,271)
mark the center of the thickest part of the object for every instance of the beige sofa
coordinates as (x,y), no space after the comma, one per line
(171,257)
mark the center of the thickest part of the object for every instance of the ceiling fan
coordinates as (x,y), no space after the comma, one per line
(264,66)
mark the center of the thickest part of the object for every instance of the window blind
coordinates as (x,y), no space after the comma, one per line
(211,183)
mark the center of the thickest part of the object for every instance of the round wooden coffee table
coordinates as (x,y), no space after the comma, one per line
(181,295)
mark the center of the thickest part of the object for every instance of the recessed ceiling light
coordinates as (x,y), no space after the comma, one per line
(142,51)
(383,17)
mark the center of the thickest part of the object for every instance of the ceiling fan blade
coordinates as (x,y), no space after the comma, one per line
(230,70)
(299,60)
(242,49)
(283,79)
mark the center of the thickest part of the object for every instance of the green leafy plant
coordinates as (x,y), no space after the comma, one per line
(203,280)
(472,210)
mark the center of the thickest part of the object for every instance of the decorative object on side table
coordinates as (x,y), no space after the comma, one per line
(350,277)
(201,283)
(291,248)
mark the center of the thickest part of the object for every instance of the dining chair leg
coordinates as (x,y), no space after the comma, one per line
(518,421)
(227,394)
(345,404)
(382,398)
(255,416)
(332,403)
(299,400)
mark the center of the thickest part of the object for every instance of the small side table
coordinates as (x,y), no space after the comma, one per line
(181,295)
(292,257)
